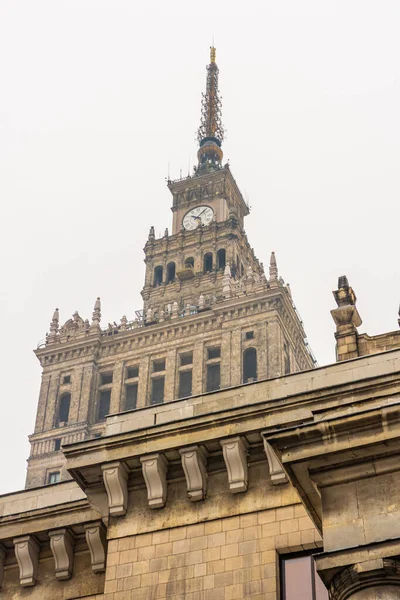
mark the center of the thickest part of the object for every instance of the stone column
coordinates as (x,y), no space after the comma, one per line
(89,381)
(274,353)
(235,358)
(76,387)
(198,368)
(226,360)
(262,355)
(116,391)
(142,399)
(170,376)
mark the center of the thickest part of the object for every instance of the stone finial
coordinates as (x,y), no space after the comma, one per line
(289,289)
(96,540)
(194,466)
(54,327)
(152,235)
(202,302)
(149,315)
(154,468)
(62,546)
(226,282)
(27,553)
(347,319)
(175,310)
(235,457)
(166,232)
(96,315)
(2,561)
(187,310)
(115,477)
(273,268)
(124,323)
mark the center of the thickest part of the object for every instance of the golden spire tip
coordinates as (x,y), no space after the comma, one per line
(212,54)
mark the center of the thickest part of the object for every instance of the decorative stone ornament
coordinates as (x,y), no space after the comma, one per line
(27,553)
(115,477)
(96,540)
(194,466)
(154,467)
(62,547)
(2,561)
(276,471)
(235,457)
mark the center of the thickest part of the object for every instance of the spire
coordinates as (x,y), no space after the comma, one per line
(273,267)
(211,132)
(96,315)
(54,327)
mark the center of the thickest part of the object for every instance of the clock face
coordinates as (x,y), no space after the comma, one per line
(201,215)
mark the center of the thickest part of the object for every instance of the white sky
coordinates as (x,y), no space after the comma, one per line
(98,97)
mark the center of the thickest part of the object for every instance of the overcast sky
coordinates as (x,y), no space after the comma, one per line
(97,98)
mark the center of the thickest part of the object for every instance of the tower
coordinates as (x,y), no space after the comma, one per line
(211,319)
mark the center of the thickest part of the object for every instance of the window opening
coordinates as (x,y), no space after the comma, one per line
(63,411)
(213,352)
(207,262)
(106,378)
(300,580)
(104,405)
(158,275)
(186,358)
(131,396)
(189,263)
(249,335)
(158,365)
(57,444)
(213,377)
(67,379)
(170,272)
(185,384)
(53,477)
(157,390)
(221,259)
(132,372)
(249,365)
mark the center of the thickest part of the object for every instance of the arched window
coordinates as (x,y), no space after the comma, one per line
(249,365)
(63,409)
(189,262)
(170,272)
(158,275)
(221,259)
(207,262)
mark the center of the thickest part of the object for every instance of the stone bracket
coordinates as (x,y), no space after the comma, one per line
(154,467)
(2,561)
(62,547)
(115,477)
(235,456)
(194,465)
(276,471)
(27,553)
(96,540)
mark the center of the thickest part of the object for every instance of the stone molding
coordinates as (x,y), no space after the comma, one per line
(27,553)
(278,475)
(62,547)
(115,477)
(2,561)
(96,540)
(154,467)
(235,457)
(378,572)
(194,463)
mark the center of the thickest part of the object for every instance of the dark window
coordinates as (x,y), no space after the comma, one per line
(106,378)
(241,269)
(286,358)
(67,379)
(97,435)
(207,262)
(213,377)
(214,353)
(185,384)
(249,365)
(63,411)
(104,404)
(157,390)
(187,358)
(57,444)
(189,262)
(53,477)
(159,365)
(249,335)
(221,259)
(131,396)
(132,372)
(158,275)
(300,580)
(170,272)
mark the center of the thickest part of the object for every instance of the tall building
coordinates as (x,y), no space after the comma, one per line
(211,319)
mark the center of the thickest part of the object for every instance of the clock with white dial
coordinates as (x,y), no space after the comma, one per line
(201,215)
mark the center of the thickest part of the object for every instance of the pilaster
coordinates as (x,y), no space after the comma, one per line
(143,382)
(170,392)
(116,392)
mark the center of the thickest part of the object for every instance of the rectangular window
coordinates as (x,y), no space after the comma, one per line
(159,365)
(157,390)
(106,378)
(213,377)
(131,396)
(67,379)
(186,358)
(104,405)
(132,372)
(185,384)
(300,580)
(286,358)
(213,353)
(249,335)
(53,477)
(57,444)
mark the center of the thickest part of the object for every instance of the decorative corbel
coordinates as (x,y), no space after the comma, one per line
(27,553)
(62,547)
(154,467)
(115,477)
(194,466)
(276,471)
(2,561)
(96,540)
(235,457)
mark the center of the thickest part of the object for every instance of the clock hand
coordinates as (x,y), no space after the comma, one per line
(198,216)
